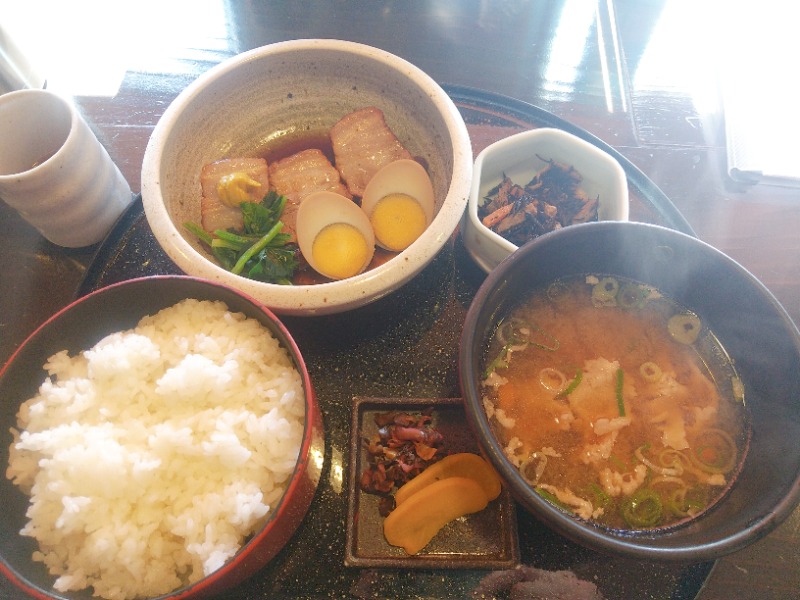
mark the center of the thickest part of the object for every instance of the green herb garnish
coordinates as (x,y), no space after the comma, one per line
(259,251)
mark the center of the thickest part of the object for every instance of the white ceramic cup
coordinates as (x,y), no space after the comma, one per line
(55,172)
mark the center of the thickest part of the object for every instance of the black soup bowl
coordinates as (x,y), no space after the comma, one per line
(752,327)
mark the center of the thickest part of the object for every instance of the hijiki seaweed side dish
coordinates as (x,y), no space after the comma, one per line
(551,200)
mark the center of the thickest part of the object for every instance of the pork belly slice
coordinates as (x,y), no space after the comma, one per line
(362,144)
(299,175)
(303,173)
(214,213)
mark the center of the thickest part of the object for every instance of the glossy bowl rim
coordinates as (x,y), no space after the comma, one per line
(329,297)
(227,574)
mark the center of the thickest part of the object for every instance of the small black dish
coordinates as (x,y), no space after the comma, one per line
(484,540)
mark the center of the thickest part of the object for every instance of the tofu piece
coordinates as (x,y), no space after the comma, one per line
(362,144)
(214,212)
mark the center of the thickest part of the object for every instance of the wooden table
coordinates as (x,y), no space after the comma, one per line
(613,69)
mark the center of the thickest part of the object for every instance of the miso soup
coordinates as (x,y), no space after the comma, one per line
(615,403)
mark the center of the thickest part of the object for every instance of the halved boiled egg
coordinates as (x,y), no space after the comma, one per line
(334,235)
(399,202)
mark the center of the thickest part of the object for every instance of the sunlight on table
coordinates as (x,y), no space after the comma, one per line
(85,48)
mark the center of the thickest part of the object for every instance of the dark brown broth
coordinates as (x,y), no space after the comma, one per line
(287,145)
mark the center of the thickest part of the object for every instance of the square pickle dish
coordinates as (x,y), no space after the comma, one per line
(484,540)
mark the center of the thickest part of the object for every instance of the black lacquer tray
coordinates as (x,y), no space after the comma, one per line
(406,346)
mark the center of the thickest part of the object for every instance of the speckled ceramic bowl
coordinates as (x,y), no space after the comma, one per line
(240,106)
(81,325)
(520,157)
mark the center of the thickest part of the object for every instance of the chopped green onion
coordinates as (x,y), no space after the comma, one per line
(552,379)
(602,499)
(572,385)
(642,509)
(509,331)
(631,296)
(518,332)
(715,452)
(618,391)
(650,372)
(499,362)
(551,498)
(604,293)
(556,291)
(682,502)
(684,328)
(554,343)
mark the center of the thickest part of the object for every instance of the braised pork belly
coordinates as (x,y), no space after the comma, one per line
(225,185)
(299,175)
(362,144)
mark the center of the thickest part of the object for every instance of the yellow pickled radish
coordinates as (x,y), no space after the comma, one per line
(462,464)
(414,523)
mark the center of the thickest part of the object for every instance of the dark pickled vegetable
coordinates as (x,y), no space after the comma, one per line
(404,446)
(551,200)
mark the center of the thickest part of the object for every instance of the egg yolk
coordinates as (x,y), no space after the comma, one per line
(339,251)
(398,220)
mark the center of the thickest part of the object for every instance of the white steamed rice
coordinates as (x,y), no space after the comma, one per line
(152,456)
